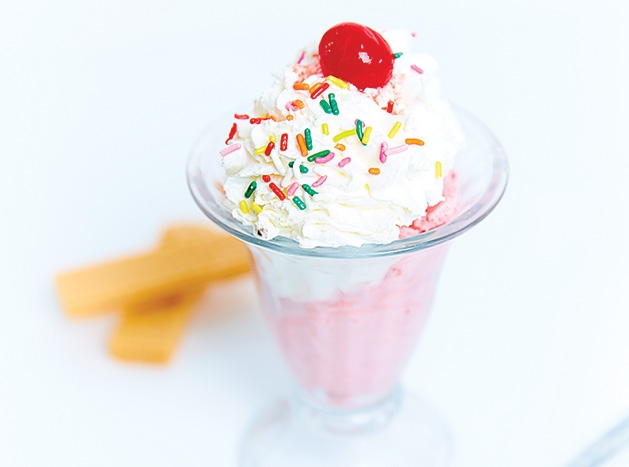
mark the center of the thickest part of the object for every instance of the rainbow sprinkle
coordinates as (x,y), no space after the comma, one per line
(390,107)
(396,150)
(344,134)
(243,207)
(241,116)
(344,162)
(266,178)
(339,146)
(308,136)
(299,203)
(338,82)
(320,181)
(383,148)
(417,69)
(259,151)
(319,90)
(416,141)
(276,189)
(301,57)
(333,104)
(324,159)
(303,169)
(394,129)
(269,148)
(324,129)
(325,106)
(229,149)
(438,173)
(308,189)
(323,153)
(284,142)
(256,207)
(374,171)
(292,189)
(301,142)
(359,130)
(252,186)
(232,133)
(301,86)
(366,136)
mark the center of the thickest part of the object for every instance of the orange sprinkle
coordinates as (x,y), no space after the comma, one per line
(416,141)
(289,117)
(340,147)
(298,103)
(301,142)
(374,171)
(301,86)
(314,87)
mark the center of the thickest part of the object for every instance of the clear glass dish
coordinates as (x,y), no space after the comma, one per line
(347,319)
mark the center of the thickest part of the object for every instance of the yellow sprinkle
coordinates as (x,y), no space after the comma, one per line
(259,151)
(438,169)
(395,129)
(243,207)
(344,134)
(324,129)
(272,138)
(256,207)
(366,135)
(339,82)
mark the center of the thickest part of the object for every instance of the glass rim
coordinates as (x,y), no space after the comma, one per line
(462,222)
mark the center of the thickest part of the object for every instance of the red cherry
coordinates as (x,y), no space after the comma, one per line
(356,54)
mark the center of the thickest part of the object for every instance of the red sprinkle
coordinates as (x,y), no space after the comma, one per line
(390,107)
(284,142)
(255,121)
(266,178)
(269,148)
(232,133)
(275,189)
(241,116)
(320,90)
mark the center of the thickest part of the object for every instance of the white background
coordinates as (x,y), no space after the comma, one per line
(527,352)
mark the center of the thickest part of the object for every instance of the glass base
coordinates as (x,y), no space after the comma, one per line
(398,431)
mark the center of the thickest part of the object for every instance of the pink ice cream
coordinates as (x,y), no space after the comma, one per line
(326,164)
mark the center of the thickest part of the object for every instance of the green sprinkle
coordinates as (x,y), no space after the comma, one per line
(333,104)
(326,107)
(299,203)
(359,130)
(308,136)
(251,189)
(308,189)
(397,54)
(291,163)
(303,169)
(316,155)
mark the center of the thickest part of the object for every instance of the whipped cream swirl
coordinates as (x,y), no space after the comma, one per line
(360,196)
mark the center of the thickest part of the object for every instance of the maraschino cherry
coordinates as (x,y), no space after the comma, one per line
(356,54)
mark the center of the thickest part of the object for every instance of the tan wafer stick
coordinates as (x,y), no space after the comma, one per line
(149,332)
(139,278)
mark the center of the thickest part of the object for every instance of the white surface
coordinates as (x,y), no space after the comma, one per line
(527,352)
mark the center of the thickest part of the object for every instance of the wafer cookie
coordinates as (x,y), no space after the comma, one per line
(149,332)
(164,272)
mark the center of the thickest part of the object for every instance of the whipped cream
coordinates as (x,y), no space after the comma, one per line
(361,196)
